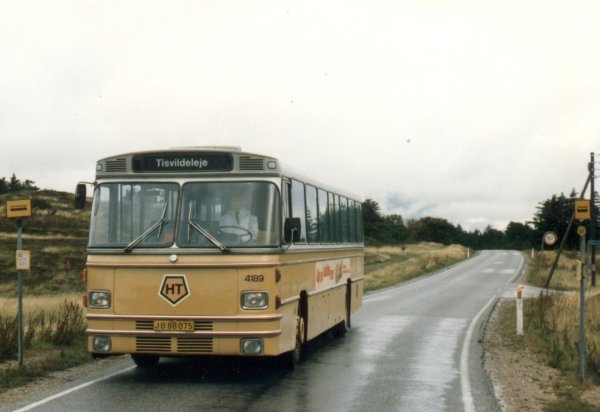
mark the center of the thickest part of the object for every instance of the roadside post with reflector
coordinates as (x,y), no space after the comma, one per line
(19,209)
(519,295)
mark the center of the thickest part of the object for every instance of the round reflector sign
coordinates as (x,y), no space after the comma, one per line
(550,238)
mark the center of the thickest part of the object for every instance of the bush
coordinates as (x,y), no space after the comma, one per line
(8,337)
(555,318)
(69,323)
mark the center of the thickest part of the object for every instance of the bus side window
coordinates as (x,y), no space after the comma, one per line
(312,214)
(323,217)
(286,199)
(298,207)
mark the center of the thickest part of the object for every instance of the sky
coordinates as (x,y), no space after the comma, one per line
(472,111)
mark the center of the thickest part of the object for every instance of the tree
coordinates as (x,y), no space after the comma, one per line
(14,185)
(3,186)
(554,215)
(29,185)
(493,238)
(519,236)
(432,229)
(394,230)
(372,219)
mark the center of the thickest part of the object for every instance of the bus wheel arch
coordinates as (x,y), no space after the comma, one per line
(348,304)
(290,360)
(342,327)
(303,315)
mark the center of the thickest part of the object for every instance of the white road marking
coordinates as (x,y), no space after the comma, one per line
(465,381)
(73,389)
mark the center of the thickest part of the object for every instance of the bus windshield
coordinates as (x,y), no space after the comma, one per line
(219,215)
(132,215)
(230,214)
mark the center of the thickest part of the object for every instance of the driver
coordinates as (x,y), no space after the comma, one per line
(238,216)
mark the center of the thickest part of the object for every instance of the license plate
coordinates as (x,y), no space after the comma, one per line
(174,325)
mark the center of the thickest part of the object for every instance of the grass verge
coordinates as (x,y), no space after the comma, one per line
(53,339)
(551,330)
(44,361)
(549,350)
(389,265)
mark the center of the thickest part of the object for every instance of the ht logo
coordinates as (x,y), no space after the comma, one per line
(174,289)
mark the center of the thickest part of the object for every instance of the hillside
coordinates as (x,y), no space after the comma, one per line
(56,235)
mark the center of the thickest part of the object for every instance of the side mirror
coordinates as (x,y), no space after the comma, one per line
(291,229)
(80,195)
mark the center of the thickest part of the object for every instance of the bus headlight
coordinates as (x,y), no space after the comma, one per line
(101,343)
(251,346)
(99,299)
(255,300)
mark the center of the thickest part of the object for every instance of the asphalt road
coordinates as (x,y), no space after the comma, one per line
(413,347)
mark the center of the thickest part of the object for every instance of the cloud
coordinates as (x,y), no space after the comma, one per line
(500,100)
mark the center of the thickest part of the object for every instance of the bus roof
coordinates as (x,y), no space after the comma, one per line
(209,161)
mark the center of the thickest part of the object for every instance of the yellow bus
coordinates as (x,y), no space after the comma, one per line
(215,251)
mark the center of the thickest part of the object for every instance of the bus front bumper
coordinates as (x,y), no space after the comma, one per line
(228,335)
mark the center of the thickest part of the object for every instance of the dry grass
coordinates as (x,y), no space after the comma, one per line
(46,321)
(388,265)
(8,306)
(556,319)
(28,236)
(565,276)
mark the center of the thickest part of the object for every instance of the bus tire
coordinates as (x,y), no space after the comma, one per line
(145,361)
(292,359)
(341,328)
(348,304)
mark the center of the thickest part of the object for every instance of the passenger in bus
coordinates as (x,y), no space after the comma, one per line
(238,220)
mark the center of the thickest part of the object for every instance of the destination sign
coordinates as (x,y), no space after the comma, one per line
(183,162)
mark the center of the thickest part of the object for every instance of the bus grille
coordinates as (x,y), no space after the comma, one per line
(203,325)
(149,325)
(251,163)
(153,344)
(116,165)
(195,345)
(162,344)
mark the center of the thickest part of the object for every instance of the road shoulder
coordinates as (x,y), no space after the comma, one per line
(59,379)
(520,381)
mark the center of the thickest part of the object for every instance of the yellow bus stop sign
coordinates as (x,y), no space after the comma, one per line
(582,210)
(18,208)
(581,231)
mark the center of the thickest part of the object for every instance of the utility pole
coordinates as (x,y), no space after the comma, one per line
(581,365)
(593,218)
(19,209)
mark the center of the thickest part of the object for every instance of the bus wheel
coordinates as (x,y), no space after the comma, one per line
(341,328)
(292,359)
(145,361)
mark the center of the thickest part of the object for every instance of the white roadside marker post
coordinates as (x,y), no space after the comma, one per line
(519,293)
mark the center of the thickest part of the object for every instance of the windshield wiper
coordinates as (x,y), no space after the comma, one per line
(207,235)
(158,225)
